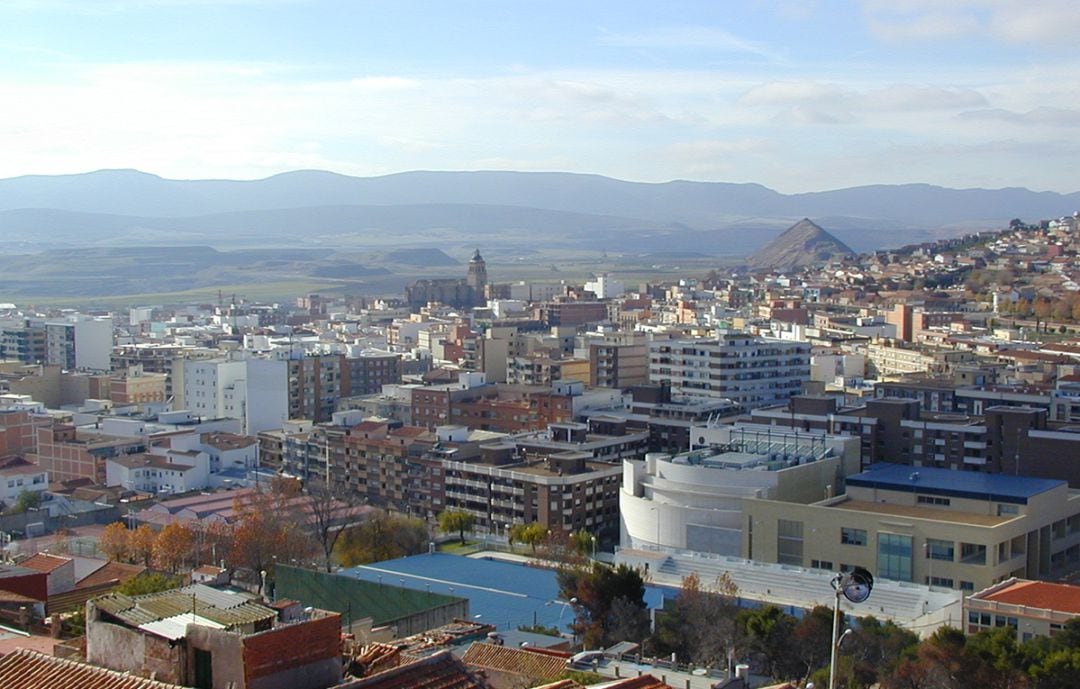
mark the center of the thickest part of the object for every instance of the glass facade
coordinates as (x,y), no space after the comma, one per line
(894,556)
(789,542)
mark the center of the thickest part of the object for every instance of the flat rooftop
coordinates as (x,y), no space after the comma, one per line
(921,512)
(952,483)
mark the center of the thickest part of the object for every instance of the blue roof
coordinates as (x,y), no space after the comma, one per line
(953,483)
(505,594)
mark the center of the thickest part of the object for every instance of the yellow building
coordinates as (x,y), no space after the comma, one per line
(954,529)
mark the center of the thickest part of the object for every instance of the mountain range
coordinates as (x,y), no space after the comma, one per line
(414,209)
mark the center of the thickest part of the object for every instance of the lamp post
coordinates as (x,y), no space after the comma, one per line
(855,586)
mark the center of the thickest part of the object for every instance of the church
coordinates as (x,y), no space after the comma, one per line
(463,293)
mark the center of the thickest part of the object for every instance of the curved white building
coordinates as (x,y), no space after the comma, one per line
(693,501)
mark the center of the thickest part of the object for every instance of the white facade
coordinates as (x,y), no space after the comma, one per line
(252,390)
(605,287)
(751,371)
(14,480)
(79,344)
(694,501)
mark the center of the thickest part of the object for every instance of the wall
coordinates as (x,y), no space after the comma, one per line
(128,650)
(226,655)
(306,655)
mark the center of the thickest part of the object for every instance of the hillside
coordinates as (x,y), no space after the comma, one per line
(803,244)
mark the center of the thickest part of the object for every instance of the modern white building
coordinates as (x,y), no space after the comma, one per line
(79,343)
(694,500)
(19,475)
(751,371)
(605,287)
(252,390)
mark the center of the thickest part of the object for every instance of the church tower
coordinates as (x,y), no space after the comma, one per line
(477,277)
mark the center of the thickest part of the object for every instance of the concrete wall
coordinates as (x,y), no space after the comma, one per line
(130,650)
(226,655)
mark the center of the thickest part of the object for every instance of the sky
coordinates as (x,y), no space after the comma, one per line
(798,95)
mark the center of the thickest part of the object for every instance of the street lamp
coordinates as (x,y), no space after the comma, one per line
(855,586)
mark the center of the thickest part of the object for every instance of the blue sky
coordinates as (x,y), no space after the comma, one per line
(799,95)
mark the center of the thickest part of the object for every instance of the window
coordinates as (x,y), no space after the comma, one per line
(940,581)
(789,542)
(1007,510)
(932,500)
(850,536)
(967,586)
(894,556)
(940,550)
(821,564)
(973,554)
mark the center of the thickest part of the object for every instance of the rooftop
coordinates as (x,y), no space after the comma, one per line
(921,512)
(949,482)
(25,669)
(1038,594)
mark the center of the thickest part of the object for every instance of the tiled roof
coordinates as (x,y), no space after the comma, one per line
(640,682)
(438,671)
(1040,594)
(112,571)
(519,661)
(26,669)
(43,562)
(561,684)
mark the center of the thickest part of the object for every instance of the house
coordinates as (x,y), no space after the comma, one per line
(508,668)
(204,637)
(1029,608)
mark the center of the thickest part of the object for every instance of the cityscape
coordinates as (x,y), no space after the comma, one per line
(691,355)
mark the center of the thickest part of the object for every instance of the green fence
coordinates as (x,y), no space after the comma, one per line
(354,598)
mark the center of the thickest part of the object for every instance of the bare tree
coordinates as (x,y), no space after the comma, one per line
(329,510)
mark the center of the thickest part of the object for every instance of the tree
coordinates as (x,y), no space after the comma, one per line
(114,542)
(267,529)
(456,520)
(768,631)
(149,583)
(141,544)
(381,537)
(700,624)
(332,509)
(595,589)
(531,535)
(26,500)
(173,547)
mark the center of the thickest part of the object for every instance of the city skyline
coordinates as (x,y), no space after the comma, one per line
(798,96)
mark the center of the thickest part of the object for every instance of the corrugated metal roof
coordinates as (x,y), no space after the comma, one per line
(175,627)
(159,606)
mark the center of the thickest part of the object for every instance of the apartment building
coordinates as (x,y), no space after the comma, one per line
(79,344)
(751,371)
(618,364)
(1029,608)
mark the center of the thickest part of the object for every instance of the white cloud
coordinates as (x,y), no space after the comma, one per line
(1034,22)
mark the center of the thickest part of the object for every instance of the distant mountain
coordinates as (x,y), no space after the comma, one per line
(801,245)
(442,208)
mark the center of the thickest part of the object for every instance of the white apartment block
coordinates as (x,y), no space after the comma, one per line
(252,390)
(83,344)
(750,371)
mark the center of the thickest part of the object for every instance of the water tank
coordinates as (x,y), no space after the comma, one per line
(742,671)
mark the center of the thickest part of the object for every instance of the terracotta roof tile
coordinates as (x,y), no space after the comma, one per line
(438,671)
(516,660)
(640,682)
(1040,594)
(112,571)
(25,669)
(44,562)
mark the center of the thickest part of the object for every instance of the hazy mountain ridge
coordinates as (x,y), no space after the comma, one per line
(704,205)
